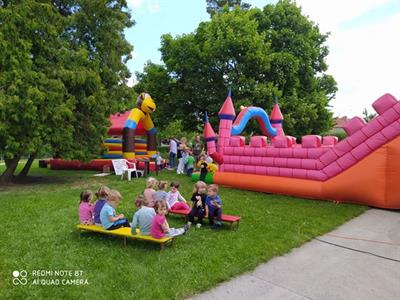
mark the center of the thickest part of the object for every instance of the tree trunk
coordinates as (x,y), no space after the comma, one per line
(11,165)
(27,166)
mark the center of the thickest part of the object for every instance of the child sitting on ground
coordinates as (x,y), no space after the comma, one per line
(143,217)
(175,199)
(198,203)
(101,195)
(108,217)
(86,208)
(149,192)
(161,194)
(213,206)
(159,225)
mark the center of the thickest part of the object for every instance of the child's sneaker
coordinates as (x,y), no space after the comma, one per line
(217,226)
(198,225)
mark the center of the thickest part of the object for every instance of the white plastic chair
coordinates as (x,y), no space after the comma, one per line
(122,166)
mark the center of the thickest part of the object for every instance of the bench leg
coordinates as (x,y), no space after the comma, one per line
(125,241)
(162,246)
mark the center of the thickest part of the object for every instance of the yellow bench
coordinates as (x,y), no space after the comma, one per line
(125,232)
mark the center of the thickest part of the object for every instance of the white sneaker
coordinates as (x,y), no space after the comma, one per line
(198,225)
(189,224)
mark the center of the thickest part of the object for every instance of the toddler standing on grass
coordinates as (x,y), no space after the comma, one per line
(143,217)
(86,208)
(198,203)
(190,161)
(160,226)
(213,206)
(149,192)
(175,199)
(109,219)
(102,195)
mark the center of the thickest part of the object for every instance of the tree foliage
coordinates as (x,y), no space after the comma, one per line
(275,51)
(217,6)
(62,73)
(367,116)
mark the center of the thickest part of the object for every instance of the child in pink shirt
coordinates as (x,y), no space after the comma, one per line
(159,225)
(149,192)
(86,208)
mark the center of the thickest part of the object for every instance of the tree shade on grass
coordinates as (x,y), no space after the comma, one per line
(38,233)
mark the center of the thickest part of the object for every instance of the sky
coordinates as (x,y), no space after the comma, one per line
(364,42)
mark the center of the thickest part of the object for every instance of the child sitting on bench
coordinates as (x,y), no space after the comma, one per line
(175,199)
(143,217)
(214,206)
(160,226)
(101,195)
(108,216)
(149,192)
(86,208)
(198,203)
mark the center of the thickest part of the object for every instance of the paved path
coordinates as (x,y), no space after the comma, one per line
(321,270)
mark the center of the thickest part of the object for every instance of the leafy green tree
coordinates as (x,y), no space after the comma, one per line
(62,73)
(216,6)
(368,116)
(260,53)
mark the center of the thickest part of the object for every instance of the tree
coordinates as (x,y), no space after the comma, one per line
(368,116)
(216,6)
(260,53)
(62,73)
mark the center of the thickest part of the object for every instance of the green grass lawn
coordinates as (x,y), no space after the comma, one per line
(38,233)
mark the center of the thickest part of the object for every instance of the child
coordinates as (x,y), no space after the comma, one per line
(149,192)
(86,208)
(213,206)
(158,159)
(198,203)
(161,194)
(202,165)
(182,161)
(108,217)
(143,217)
(175,199)
(159,225)
(101,195)
(189,164)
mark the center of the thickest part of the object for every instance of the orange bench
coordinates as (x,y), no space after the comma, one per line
(224,218)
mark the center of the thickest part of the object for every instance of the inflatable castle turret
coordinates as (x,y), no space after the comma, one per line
(276,118)
(226,116)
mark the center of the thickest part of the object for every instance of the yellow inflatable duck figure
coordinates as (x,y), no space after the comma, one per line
(145,105)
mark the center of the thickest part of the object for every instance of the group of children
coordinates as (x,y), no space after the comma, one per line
(153,206)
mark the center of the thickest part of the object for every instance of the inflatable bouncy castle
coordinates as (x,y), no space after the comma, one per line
(132,135)
(363,168)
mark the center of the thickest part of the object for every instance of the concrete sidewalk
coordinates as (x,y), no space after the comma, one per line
(322,270)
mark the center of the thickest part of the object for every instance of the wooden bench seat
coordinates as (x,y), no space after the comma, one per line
(224,218)
(125,232)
